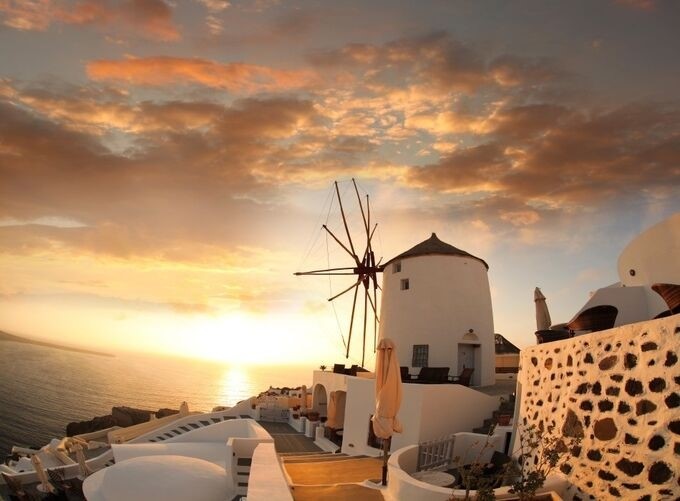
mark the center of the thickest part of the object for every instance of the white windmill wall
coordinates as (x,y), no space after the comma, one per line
(447,296)
(653,255)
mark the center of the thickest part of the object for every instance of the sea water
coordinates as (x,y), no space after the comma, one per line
(43,389)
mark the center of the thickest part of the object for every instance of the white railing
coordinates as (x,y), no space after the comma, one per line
(128,433)
(435,453)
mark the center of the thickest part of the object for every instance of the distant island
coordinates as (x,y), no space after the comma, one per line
(5,336)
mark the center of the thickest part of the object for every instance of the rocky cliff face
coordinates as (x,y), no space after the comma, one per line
(120,416)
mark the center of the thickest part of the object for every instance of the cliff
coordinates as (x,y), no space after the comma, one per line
(120,416)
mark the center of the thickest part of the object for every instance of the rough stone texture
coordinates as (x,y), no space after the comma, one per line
(630,445)
(120,416)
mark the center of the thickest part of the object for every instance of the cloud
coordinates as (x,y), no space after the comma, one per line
(150,19)
(166,70)
(558,156)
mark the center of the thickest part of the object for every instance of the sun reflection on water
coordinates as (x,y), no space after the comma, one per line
(235,385)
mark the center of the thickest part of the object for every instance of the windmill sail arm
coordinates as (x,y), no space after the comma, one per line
(345,291)
(354,256)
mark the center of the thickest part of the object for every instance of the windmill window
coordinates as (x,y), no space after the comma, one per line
(396,267)
(420,355)
(405,285)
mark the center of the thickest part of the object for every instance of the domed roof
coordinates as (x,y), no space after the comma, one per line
(158,477)
(434,246)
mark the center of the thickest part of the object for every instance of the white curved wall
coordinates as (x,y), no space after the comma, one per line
(447,296)
(653,255)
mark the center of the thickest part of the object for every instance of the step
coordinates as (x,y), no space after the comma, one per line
(285,454)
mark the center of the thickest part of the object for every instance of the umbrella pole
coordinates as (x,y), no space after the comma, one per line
(384,468)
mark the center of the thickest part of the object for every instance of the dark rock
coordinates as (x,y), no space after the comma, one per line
(605,475)
(582,388)
(632,487)
(644,407)
(94,424)
(674,426)
(623,408)
(629,361)
(649,346)
(608,362)
(588,359)
(594,455)
(657,385)
(614,492)
(534,361)
(605,429)
(586,405)
(616,378)
(160,413)
(672,400)
(671,359)
(572,426)
(612,391)
(570,361)
(656,442)
(630,468)
(676,448)
(128,416)
(597,388)
(630,439)
(633,387)
(659,473)
(565,468)
(605,405)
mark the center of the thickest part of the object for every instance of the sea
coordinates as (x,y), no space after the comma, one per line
(42,389)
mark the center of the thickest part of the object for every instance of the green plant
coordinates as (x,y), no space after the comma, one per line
(474,475)
(538,454)
(322,367)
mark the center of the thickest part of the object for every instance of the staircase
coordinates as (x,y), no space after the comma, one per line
(200,422)
(506,407)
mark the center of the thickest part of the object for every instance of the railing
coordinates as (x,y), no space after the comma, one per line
(435,453)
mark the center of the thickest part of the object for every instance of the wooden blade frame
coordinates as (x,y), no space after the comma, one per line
(366,270)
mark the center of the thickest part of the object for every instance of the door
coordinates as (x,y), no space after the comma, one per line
(466,357)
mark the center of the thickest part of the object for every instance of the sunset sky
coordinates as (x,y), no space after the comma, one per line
(165,166)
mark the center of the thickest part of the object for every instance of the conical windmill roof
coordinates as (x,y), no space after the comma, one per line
(434,246)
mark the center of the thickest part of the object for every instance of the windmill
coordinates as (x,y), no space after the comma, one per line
(365,269)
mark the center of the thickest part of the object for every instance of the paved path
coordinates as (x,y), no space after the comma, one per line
(287,439)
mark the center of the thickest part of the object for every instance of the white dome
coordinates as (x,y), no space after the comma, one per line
(158,477)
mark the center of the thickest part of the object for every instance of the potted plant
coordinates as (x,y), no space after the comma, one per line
(322,367)
(313,416)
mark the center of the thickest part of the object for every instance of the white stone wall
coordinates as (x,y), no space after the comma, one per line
(620,390)
(447,296)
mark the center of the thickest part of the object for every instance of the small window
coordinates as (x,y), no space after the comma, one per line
(420,355)
(396,267)
(405,285)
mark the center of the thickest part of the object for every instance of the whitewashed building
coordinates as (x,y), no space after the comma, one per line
(436,306)
(648,267)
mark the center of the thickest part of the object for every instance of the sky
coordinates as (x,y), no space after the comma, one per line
(165,166)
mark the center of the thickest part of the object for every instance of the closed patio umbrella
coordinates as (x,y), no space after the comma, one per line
(45,485)
(80,457)
(388,394)
(543,321)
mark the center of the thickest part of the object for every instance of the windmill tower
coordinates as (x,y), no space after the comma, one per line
(436,306)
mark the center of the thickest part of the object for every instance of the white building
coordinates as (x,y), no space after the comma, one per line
(647,267)
(436,307)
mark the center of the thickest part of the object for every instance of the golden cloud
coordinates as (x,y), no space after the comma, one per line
(164,70)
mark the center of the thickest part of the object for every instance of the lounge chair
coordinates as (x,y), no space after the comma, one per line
(405,376)
(433,375)
(463,378)
(339,368)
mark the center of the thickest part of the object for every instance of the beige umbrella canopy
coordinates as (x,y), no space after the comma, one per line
(388,394)
(543,321)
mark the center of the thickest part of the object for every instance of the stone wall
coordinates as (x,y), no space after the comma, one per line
(620,391)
